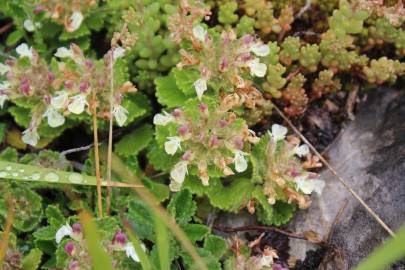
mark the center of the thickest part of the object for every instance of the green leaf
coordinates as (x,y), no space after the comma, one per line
(134,142)
(258,159)
(216,245)
(182,207)
(14,37)
(32,260)
(185,80)
(391,251)
(46,233)
(160,191)
(240,190)
(3,127)
(141,219)
(82,31)
(195,232)
(54,216)
(168,93)
(143,257)
(9,154)
(137,105)
(209,259)
(159,158)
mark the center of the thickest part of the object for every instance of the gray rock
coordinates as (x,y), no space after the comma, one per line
(370,155)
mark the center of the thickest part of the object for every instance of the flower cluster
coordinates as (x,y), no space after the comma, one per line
(79,257)
(285,176)
(208,137)
(69,13)
(65,89)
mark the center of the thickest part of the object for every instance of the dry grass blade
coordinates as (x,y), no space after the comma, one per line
(119,167)
(340,179)
(110,133)
(6,233)
(96,156)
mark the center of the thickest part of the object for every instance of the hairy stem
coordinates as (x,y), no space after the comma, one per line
(96,156)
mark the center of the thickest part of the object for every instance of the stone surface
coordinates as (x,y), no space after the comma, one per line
(370,155)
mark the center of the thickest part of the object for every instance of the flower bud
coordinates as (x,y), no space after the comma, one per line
(69,84)
(51,76)
(247,39)
(70,248)
(176,113)
(25,86)
(183,130)
(10,75)
(238,142)
(222,123)
(73,265)
(84,86)
(186,156)
(77,228)
(89,64)
(213,141)
(38,9)
(120,238)
(203,107)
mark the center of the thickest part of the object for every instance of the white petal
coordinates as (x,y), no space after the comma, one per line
(256,68)
(24,51)
(75,20)
(162,120)
(4,69)
(174,186)
(179,171)
(200,87)
(60,101)
(118,52)
(278,132)
(78,104)
(199,32)
(308,185)
(63,52)
(55,119)
(240,161)
(30,137)
(120,114)
(172,145)
(3,99)
(29,25)
(260,49)
(302,150)
(130,251)
(63,231)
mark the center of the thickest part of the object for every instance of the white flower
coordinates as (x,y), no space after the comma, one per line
(130,251)
(200,87)
(256,68)
(240,161)
(199,32)
(309,185)
(30,26)
(78,103)
(174,186)
(75,21)
(179,171)
(172,145)
(3,99)
(278,132)
(162,119)
(4,69)
(120,114)
(55,119)
(260,49)
(24,51)
(266,260)
(63,52)
(118,52)
(30,136)
(301,150)
(60,101)
(63,231)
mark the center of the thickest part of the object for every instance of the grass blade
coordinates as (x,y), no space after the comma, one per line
(162,243)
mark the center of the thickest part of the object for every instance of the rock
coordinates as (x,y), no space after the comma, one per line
(370,155)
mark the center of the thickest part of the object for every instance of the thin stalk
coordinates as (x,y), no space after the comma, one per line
(6,233)
(97,157)
(110,133)
(338,177)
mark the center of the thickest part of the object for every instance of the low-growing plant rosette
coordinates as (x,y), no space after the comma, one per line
(76,249)
(283,166)
(63,88)
(209,139)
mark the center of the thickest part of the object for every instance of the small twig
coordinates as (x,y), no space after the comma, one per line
(293,74)
(351,101)
(259,229)
(97,157)
(339,178)
(304,9)
(78,149)
(6,232)
(6,27)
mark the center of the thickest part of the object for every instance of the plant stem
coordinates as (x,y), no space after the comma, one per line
(110,133)
(96,156)
(6,232)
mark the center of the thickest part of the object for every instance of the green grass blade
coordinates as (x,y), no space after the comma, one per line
(100,259)
(162,243)
(143,257)
(388,253)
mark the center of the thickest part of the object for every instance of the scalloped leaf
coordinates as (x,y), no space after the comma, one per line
(132,143)
(216,245)
(182,207)
(185,80)
(195,232)
(32,260)
(168,93)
